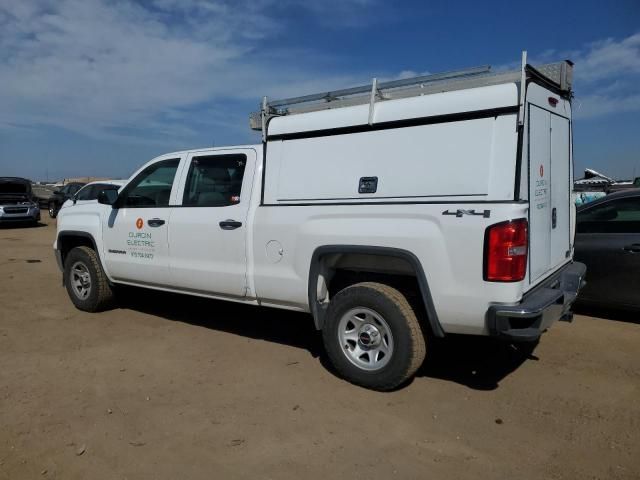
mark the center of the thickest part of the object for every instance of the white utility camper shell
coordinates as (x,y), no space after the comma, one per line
(472,136)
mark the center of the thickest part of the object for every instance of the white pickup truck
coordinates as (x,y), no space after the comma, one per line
(392,213)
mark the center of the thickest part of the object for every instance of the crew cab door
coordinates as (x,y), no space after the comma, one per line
(549,191)
(135,232)
(208,231)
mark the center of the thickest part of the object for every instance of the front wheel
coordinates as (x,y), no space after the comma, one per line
(372,336)
(53,211)
(86,282)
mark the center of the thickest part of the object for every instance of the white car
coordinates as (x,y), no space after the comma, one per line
(89,192)
(392,213)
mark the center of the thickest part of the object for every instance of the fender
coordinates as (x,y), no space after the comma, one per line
(318,310)
(88,236)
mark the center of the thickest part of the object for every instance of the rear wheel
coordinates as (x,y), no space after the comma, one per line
(372,336)
(86,282)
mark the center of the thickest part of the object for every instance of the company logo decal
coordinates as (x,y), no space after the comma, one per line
(139,223)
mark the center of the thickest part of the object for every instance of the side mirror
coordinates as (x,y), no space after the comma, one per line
(108,197)
(57,192)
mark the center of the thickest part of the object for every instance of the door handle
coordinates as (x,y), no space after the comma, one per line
(155,222)
(554,217)
(230,224)
(633,248)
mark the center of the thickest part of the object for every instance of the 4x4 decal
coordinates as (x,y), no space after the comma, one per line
(460,212)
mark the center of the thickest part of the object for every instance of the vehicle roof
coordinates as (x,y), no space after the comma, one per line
(107,182)
(627,193)
(213,149)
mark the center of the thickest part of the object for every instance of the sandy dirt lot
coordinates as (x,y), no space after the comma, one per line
(170,387)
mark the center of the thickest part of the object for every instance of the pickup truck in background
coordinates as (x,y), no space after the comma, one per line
(392,213)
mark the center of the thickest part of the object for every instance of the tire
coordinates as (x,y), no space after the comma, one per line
(85,281)
(53,211)
(380,358)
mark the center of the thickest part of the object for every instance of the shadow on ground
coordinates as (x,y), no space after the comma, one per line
(270,324)
(20,225)
(476,362)
(480,363)
(607,313)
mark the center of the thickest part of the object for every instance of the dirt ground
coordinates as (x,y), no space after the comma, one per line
(170,387)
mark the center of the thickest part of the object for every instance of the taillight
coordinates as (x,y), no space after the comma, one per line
(505,251)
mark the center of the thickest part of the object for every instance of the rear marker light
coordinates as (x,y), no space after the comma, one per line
(553,101)
(505,251)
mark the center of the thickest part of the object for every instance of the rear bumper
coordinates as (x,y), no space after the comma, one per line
(539,308)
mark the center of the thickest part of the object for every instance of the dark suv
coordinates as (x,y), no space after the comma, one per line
(60,196)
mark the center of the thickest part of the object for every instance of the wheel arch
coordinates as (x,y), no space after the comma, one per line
(319,268)
(69,239)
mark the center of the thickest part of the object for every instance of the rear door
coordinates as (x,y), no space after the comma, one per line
(208,231)
(549,191)
(561,186)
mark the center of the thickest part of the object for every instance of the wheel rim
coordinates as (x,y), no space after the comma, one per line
(365,338)
(80,280)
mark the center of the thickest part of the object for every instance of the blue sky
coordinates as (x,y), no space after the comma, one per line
(97,87)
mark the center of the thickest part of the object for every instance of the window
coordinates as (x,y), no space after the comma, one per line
(73,188)
(90,192)
(214,181)
(85,193)
(152,187)
(102,188)
(616,216)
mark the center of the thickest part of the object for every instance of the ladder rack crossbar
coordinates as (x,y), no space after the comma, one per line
(332,95)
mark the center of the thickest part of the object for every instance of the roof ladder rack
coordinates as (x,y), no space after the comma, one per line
(559,74)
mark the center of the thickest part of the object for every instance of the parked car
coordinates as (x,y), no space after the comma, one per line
(62,195)
(608,242)
(17,203)
(89,193)
(444,208)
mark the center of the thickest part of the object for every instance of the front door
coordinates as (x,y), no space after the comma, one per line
(608,242)
(135,233)
(208,231)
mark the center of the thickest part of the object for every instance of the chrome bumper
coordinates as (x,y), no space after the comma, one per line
(540,308)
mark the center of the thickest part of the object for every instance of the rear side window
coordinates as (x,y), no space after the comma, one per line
(152,186)
(214,181)
(616,216)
